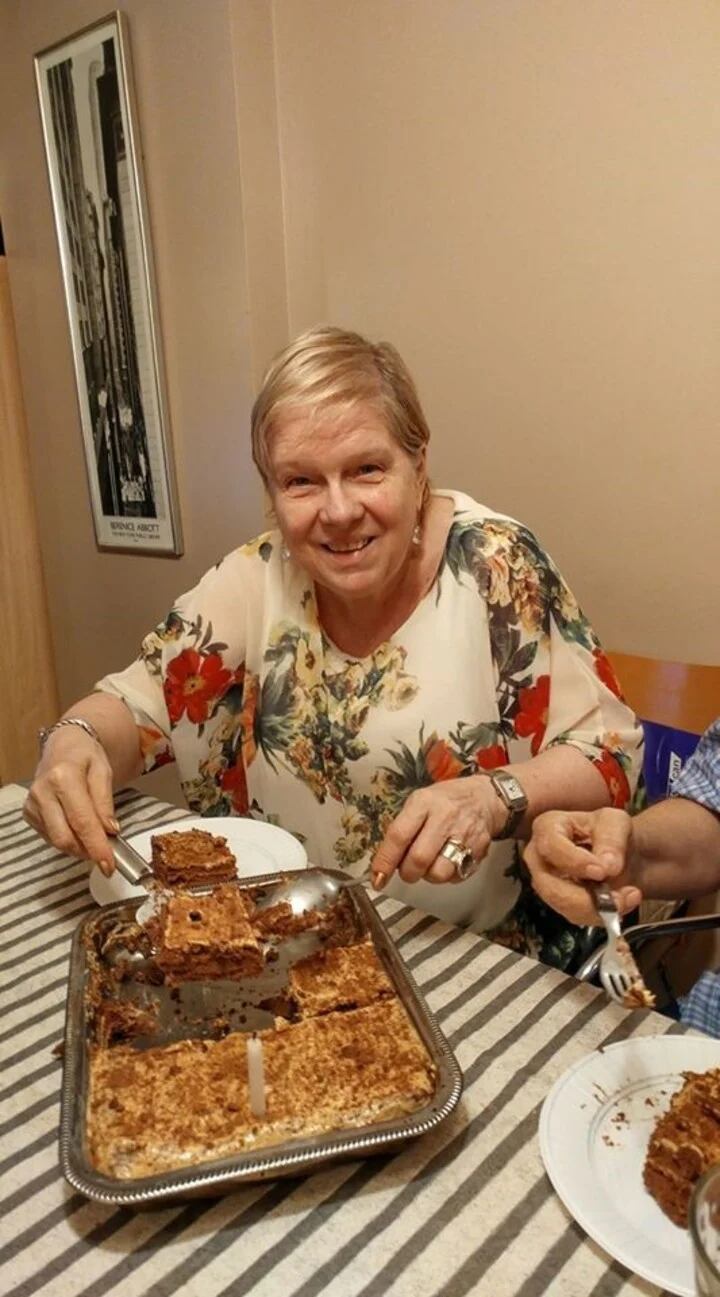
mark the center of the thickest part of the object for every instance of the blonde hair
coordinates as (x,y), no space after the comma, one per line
(331,370)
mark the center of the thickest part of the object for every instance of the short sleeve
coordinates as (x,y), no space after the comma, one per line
(185,666)
(555,684)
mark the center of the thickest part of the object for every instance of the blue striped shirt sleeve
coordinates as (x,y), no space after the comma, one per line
(699,780)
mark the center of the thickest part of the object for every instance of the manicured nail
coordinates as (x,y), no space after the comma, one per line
(113,824)
(105,867)
(379,880)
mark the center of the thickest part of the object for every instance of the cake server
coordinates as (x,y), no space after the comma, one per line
(130,863)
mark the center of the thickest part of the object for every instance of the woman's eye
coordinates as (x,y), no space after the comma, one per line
(365,470)
(297,481)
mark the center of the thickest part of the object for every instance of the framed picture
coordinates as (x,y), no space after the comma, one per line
(93,155)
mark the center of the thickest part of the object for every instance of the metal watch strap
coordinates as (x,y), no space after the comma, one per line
(44,734)
(510,791)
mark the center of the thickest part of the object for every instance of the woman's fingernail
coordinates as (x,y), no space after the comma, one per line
(105,867)
(113,824)
(379,880)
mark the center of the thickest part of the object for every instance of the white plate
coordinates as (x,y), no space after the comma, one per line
(595,1127)
(260,849)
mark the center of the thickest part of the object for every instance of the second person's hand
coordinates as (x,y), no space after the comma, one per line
(569,850)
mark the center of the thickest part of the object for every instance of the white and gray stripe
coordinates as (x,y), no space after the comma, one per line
(467,1209)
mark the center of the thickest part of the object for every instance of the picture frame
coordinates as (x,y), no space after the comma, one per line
(89,126)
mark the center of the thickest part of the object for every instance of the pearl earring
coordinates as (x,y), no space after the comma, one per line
(285,553)
(417,534)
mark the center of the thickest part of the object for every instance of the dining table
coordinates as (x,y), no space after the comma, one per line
(466,1208)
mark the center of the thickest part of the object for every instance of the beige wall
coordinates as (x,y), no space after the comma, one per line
(524,197)
(101,603)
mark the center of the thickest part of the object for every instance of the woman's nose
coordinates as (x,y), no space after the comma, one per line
(340,506)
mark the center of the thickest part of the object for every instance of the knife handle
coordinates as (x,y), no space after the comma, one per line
(130,863)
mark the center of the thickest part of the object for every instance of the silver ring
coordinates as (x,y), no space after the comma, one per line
(459,856)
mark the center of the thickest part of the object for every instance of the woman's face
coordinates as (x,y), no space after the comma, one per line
(347,499)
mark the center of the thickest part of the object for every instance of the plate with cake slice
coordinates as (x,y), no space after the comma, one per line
(213,849)
(624,1135)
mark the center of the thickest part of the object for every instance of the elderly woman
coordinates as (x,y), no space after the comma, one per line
(398,676)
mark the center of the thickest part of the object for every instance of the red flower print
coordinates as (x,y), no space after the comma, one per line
(605,672)
(490,758)
(532,716)
(154,747)
(251,698)
(234,782)
(441,762)
(192,683)
(615,778)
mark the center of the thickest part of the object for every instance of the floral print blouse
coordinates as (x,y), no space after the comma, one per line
(265,716)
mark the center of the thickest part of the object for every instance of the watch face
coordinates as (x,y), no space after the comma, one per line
(510,789)
(512,793)
(515,790)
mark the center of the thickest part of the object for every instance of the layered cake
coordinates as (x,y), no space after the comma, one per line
(334,1072)
(335,923)
(638,996)
(684,1144)
(344,1055)
(192,858)
(280,920)
(207,936)
(343,977)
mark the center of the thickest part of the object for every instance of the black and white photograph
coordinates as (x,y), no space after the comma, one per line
(84,86)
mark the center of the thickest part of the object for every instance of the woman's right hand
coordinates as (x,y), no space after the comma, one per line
(70,802)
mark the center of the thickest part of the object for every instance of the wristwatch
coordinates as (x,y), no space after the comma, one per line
(511,792)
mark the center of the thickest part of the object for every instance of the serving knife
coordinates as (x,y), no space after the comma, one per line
(130,863)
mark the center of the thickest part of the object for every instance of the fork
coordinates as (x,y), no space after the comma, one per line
(619,973)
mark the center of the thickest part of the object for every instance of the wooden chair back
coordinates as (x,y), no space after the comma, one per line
(683,695)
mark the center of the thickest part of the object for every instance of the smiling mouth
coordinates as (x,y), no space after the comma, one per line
(349,549)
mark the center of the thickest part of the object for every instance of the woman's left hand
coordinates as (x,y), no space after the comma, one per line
(467,810)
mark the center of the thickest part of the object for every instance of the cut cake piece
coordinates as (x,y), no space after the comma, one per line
(280,920)
(191,858)
(336,923)
(684,1144)
(177,1105)
(207,936)
(117,1020)
(342,977)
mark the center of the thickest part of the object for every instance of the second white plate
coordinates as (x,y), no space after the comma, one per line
(595,1127)
(260,848)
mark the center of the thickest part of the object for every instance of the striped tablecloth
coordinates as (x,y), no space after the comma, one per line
(467,1209)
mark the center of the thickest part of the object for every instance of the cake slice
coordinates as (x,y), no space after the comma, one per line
(343,977)
(684,1144)
(207,936)
(280,920)
(177,1105)
(191,858)
(336,923)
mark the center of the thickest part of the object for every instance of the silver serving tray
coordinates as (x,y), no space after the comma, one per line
(311,888)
